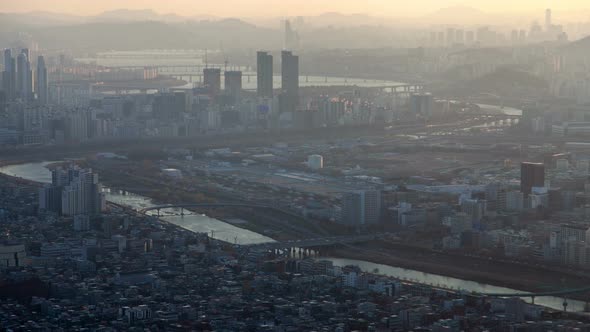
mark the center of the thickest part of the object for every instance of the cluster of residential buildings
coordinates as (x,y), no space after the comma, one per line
(123,271)
(73,192)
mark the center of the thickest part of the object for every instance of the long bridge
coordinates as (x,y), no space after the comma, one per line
(540,294)
(314,243)
(304,243)
(493,116)
(183,206)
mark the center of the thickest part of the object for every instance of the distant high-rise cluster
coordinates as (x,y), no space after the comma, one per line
(73,191)
(17,77)
(486,36)
(289,95)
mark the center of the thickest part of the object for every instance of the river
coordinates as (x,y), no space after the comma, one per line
(227,232)
(195,222)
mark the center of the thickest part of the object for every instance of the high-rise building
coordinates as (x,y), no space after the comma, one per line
(41,83)
(9,75)
(361,208)
(212,80)
(548,20)
(233,84)
(7,59)
(264,75)
(422,104)
(289,82)
(73,191)
(290,73)
(531,175)
(168,106)
(291,37)
(24,81)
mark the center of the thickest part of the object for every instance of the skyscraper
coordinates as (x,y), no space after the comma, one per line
(289,81)
(548,20)
(264,75)
(233,84)
(291,37)
(24,79)
(41,84)
(531,175)
(9,75)
(212,80)
(7,59)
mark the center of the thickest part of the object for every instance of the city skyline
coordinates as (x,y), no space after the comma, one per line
(258,165)
(263,8)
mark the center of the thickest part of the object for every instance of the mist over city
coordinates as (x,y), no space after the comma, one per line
(294,165)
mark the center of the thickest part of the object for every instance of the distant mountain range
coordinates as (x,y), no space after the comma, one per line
(449,15)
(140,29)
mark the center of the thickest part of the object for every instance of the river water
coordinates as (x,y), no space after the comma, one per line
(194,222)
(227,232)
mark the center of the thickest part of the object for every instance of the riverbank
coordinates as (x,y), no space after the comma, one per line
(525,278)
(510,275)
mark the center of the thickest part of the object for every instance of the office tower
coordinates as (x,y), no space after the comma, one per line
(7,59)
(422,104)
(361,208)
(21,63)
(9,75)
(41,84)
(264,75)
(531,175)
(233,84)
(212,80)
(24,76)
(289,81)
(548,20)
(26,52)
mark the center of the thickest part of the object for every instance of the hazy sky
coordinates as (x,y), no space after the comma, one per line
(286,7)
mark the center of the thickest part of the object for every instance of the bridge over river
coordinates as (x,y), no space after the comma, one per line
(304,243)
